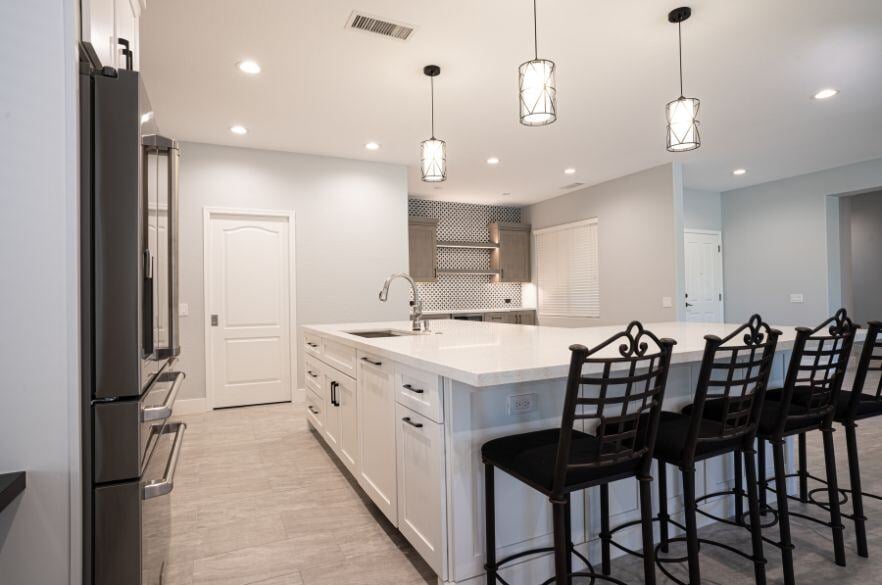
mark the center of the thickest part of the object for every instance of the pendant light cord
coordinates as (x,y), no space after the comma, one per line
(535,34)
(432,85)
(680,42)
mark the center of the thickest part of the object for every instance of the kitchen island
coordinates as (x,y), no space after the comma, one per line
(407,414)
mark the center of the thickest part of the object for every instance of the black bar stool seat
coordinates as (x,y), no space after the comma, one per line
(868,405)
(673,438)
(529,457)
(798,421)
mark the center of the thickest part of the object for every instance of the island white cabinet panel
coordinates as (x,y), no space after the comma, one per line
(312,344)
(376,429)
(421,483)
(347,405)
(315,411)
(340,356)
(419,391)
(333,415)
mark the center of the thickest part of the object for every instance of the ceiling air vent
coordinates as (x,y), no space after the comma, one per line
(572,186)
(386,28)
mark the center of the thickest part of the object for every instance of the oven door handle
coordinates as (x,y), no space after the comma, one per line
(163,486)
(164,410)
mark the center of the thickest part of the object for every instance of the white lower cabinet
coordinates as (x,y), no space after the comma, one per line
(315,411)
(420,445)
(341,418)
(376,429)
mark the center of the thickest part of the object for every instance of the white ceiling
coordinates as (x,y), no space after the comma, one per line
(327,90)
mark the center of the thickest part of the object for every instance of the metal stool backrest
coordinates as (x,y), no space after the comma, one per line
(870,361)
(619,385)
(735,372)
(816,371)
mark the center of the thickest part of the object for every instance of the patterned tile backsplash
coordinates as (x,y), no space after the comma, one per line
(467,222)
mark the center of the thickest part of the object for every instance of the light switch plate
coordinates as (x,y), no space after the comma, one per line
(667,302)
(183,309)
(796,298)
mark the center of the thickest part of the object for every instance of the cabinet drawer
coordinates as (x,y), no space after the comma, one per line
(419,391)
(339,356)
(312,375)
(375,362)
(312,344)
(315,411)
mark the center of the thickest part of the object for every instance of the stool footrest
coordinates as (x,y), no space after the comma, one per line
(661,561)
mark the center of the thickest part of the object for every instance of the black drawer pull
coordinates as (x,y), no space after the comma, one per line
(412,389)
(312,374)
(311,344)
(312,409)
(371,362)
(411,423)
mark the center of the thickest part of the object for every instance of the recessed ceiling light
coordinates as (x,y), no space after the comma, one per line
(570,171)
(372,146)
(506,194)
(739,172)
(248,66)
(492,161)
(240,130)
(825,94)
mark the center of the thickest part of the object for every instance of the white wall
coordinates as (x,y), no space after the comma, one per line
(782,237)
(702,210)
(38,291)
(351,232)
(640,239)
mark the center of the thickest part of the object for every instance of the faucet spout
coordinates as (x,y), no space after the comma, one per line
(416,305)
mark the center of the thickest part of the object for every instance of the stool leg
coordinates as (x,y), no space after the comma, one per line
(691,525)
(739,489)
(857,497)
(803,470)
(783,512)
(489,525)
(663,505)
(763,478)
(833,493)
(604,530)
(559,515)
(646,521)
(569,529)
(756,531)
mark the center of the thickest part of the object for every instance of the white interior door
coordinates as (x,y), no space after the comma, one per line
(248,305)
(704,277)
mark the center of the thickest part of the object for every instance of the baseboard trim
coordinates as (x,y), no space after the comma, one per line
(191,406)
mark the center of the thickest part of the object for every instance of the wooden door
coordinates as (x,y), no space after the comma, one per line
(248,310)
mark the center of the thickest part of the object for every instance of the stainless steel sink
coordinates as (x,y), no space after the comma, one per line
(383,333)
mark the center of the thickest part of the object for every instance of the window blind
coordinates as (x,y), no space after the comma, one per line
(568,275)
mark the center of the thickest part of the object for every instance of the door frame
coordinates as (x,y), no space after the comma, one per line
(719,234)
(208,213)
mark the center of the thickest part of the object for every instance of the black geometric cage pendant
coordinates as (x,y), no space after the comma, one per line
(682,113)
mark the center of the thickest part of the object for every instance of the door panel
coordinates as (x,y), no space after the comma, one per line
(346,398)
(376,427)
(704,277)
(250,297)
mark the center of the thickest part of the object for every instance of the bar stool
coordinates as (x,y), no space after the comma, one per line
(807,402)
(625,378)
(732,383)
(850,407)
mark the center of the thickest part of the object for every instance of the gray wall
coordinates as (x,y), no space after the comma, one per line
(350,224)
(866,256)
(39,418)
(782,237)
(702,210)
(640,239)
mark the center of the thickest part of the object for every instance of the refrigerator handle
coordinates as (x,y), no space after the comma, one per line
(163,486)
(174,342)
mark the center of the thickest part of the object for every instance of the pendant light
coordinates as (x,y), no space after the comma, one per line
(682,113)
(538,92)
(433,159)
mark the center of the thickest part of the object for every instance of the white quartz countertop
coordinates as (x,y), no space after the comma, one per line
(487,354)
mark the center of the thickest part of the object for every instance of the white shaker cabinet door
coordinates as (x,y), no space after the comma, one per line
(376,429)
(347,407)
(421,484)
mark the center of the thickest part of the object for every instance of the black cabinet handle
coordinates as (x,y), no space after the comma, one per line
(371,362)
(412,389)
(311,344)
(411,423)
(312,374)
(334,394)
(312,409)
(126,51)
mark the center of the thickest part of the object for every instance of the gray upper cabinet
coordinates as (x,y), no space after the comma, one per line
(512,259)
(422,244)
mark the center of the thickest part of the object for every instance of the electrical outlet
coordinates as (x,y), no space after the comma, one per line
(796,298)
(667,302)
(183,310)
(521,403)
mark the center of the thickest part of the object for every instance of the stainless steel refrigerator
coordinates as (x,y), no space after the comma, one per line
(129,251)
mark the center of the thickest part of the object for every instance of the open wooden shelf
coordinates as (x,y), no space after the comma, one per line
(470,272)
(468,245)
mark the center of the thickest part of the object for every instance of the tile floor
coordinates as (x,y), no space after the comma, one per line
(259,501)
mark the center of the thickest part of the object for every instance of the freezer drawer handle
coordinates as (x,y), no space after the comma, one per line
(164,411)
(412,389)
(411,423)
(161,487)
